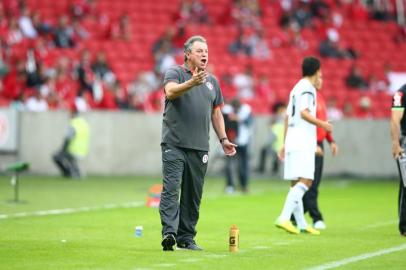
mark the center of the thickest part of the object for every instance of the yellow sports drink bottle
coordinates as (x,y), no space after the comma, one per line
(234,240)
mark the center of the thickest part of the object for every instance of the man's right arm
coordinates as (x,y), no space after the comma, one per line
(395,132)
(174,89)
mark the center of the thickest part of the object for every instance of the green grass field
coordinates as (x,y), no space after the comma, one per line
(98,233)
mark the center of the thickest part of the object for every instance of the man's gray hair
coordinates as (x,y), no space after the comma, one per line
(187,47)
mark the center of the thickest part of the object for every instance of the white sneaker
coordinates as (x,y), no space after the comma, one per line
(229,190)
(319,225)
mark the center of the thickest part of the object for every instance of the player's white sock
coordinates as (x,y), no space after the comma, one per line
(298,212)
(293,198)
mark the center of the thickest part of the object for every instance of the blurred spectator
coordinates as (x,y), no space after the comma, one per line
(83,9)
(35,70)
(143,86)
(80,103)
(244,83)
(65,86)
(377,84)
(26,25)
(192,11)
(319,8)
(41,27)
(355,78)
(242,116)
(303,15)
(121,96)
(79,32)
(289,34)
(42,51)
(164,42)
(330,47)
(333,112)
(14,82)
(14,34)
(241,44)
(48,91)
(164,59)
(64,33)
(107,99)
(364,108)
(258,46)
(381,10)
(173,38)
(246,13)
(275,141)
(101,68)
(84,72)
(179,39)
(121,30)
(36,102)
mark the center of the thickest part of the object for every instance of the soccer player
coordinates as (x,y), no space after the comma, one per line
(300,145)
(310,199)
(193,100)
(398,134)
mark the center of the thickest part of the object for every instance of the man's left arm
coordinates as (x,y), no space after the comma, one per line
(218,125)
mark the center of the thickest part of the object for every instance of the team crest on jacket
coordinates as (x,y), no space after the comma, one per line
(209,85)
(205,158)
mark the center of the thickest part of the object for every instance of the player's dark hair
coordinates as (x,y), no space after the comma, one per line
(310,66)
(187,47)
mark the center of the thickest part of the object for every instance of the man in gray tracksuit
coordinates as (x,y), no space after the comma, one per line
(193,100)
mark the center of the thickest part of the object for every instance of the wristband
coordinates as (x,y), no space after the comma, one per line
(223,139)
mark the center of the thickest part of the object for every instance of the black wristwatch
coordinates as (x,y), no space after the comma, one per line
(223,139)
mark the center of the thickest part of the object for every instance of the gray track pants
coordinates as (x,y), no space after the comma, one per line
(183,171)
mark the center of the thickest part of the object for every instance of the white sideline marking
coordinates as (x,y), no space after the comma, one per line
(165,265)
(216,256)
(261,247)
(361,257)
(381,224)
(72,210)
(191,260)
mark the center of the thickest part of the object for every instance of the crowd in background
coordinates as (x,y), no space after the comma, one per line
(33,79)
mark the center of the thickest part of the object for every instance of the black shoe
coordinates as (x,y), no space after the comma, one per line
(168,242)
(403,234)
(191,245)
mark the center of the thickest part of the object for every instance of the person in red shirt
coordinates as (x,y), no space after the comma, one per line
(310,203)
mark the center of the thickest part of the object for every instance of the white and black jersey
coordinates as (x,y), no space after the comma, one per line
(301,135)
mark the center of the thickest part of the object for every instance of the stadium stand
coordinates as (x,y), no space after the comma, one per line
(373,42)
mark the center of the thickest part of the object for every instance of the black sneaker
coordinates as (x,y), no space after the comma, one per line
(168,242)
(191,245)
